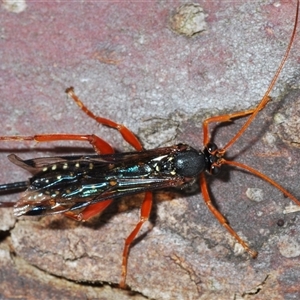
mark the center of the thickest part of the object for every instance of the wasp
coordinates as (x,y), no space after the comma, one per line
(83,186)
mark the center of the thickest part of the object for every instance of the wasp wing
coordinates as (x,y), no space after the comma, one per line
(62,184)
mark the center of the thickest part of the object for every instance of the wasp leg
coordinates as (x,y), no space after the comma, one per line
(128,135)
(227,118)
(145,213)
(221,218)
(264,177)
(100,146)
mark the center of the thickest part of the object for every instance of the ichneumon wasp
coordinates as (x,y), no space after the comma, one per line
(82,186)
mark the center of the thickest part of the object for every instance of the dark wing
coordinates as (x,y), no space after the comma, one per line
(72,183)
(36,165)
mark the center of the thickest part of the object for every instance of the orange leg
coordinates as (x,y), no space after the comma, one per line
(128,135)
(100,146)
(145,213)
(227,118)
(221,218)
(223,118)
(262,176)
